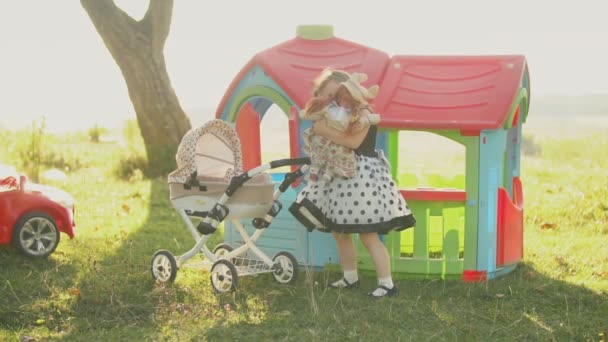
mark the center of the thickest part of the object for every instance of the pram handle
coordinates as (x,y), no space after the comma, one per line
(237,181)
(288,162)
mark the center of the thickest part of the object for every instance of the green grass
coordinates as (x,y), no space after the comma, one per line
(97,287)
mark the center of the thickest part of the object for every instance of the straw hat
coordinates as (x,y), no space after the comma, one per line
(357,91)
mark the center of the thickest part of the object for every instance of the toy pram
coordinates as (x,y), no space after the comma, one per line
(210,184)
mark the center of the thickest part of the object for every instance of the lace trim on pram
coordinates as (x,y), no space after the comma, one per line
(186,151)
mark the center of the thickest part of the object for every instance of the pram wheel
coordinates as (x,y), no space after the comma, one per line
(224,276)
(286,268)
(222,249)
(164,266)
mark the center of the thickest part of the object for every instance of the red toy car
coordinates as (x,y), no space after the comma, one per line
(33,215)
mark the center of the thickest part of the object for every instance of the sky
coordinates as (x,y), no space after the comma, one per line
(54,64)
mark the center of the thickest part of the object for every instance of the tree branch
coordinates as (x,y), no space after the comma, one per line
(157,22)
(111,23)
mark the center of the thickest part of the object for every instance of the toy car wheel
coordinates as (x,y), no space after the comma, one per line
(36,235)
(224,277)
(164,266)
(222,249)
(286,268)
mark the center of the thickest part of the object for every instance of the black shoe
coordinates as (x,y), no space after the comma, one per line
(392,292)
(347,286)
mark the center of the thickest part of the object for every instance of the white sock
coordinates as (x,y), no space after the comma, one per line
(387,282)
(350,276)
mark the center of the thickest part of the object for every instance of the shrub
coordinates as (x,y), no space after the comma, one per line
(96,132)
(131,166)
(133,163)
(65,159)
(153,162)
(30,149)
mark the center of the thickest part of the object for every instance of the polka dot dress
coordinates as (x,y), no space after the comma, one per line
(369,202)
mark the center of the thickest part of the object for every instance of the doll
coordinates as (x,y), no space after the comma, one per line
(345,113)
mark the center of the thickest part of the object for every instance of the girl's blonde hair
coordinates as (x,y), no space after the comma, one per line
(327,75)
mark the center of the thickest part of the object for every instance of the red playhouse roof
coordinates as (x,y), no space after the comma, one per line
(468,93)
(294,64)
(449,92)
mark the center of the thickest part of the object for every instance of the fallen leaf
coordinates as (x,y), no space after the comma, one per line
(284,313)
(500,295)
(548,225)
(602,274)
(434,305)
(74,291)
(126,207)
(561,261)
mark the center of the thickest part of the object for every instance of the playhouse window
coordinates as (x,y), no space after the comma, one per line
(430,160)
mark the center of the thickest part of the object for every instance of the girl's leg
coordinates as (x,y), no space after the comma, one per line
(348,259)
(381,260)
(378,252)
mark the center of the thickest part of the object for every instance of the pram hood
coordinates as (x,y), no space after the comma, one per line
(212,150)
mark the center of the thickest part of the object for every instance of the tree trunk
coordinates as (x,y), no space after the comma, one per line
(137,47)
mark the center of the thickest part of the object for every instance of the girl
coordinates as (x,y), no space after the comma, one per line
(368,203)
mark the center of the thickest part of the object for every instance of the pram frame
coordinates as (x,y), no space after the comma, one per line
(231,264)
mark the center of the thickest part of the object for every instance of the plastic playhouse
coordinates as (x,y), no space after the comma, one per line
(480,102)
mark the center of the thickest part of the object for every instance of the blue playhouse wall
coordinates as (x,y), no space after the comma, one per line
(491,158)
(286,234)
